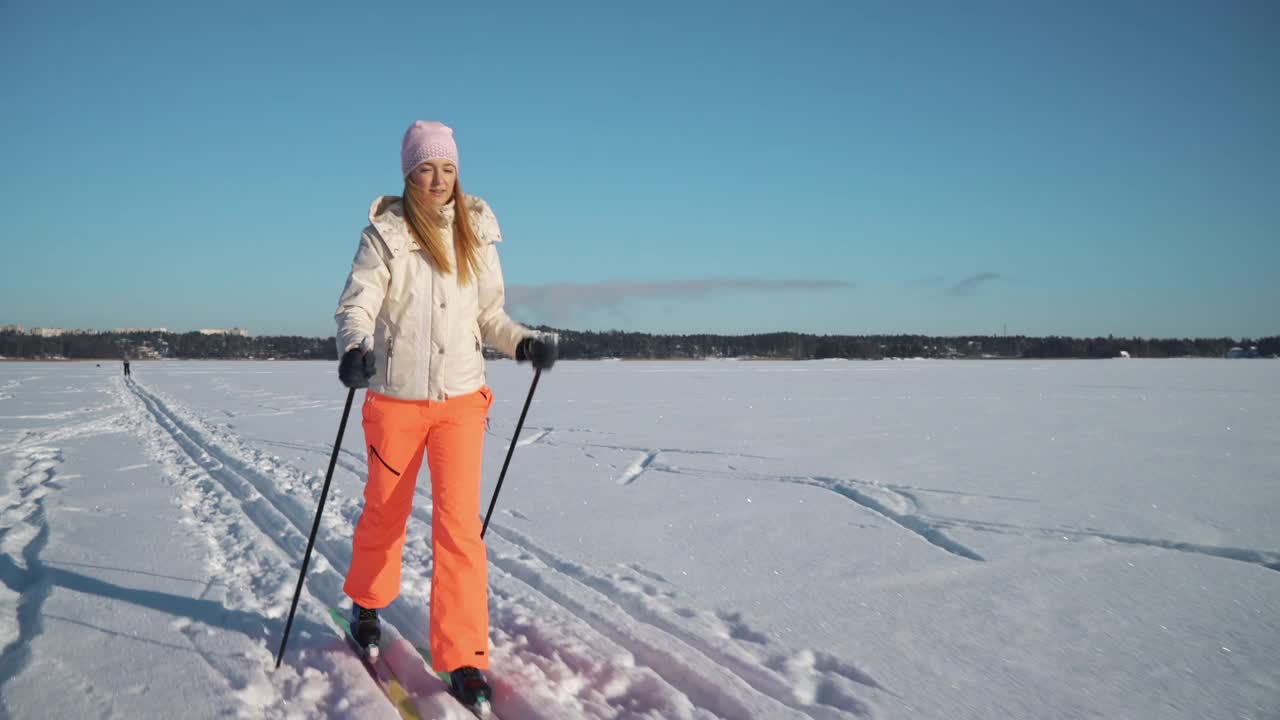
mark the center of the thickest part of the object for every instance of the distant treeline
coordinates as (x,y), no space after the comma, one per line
(797,346)
(155,345)
(630,345)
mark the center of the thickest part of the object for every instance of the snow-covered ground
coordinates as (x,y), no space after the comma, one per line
(674,540)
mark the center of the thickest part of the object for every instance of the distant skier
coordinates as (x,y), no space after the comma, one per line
(425,291)
(126,369)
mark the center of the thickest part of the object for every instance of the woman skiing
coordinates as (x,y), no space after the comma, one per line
(425,292)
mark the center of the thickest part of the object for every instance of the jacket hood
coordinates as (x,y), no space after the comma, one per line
(385,205)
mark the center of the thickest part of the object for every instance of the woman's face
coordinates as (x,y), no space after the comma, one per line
(436,179)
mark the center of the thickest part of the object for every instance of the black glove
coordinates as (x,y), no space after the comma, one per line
(542,351)
(356,367)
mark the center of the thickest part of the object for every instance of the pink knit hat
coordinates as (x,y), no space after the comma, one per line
(426,140)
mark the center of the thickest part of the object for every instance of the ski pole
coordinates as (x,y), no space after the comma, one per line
(501,476)
(315,527)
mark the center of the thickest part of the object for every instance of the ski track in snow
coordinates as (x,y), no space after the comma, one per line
(264,556)
(534,438)
(637,468)
(322,450)
(24,529)
(6,390)
(24,532)
(30,438)
(239,552)
(59,414)
(893,504)
(702,653)
(270,403)
(901,505)
(1267,559)
(568,641)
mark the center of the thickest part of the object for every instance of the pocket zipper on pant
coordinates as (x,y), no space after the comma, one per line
(378,455)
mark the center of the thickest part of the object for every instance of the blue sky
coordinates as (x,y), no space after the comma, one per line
(1079,168)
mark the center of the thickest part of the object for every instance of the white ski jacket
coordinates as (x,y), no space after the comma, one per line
(425,330)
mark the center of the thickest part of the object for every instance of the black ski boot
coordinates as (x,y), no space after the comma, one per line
(469,686)
(366,629)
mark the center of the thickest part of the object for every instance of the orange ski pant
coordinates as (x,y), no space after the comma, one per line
(451,432)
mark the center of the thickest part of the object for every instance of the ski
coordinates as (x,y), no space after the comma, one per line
(378,670)
(482,709)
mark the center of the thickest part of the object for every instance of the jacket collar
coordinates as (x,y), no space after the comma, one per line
(386,214)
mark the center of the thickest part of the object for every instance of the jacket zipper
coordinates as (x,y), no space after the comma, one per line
(391,346)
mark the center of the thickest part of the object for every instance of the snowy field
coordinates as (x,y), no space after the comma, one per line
(674,540)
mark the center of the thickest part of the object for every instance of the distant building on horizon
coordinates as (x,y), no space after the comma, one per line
(13,329)
(241,332)
(59,332)
(123,331)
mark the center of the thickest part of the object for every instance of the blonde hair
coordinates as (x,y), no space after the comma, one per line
(425,221)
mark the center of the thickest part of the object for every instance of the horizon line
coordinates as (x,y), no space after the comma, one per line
(242,332)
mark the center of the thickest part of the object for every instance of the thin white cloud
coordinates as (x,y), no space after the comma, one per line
(555,302)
